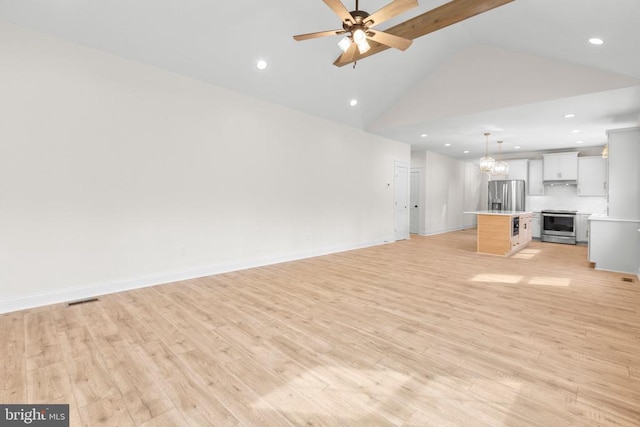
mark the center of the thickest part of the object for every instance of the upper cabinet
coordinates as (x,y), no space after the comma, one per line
(518,169)
(592,176)
(560,166)
(535,184)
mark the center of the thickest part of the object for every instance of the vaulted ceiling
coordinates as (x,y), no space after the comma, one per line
(515,71)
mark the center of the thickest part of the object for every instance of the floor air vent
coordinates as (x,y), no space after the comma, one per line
(82,301)
(627,279)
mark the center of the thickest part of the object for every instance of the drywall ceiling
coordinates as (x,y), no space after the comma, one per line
(514,71)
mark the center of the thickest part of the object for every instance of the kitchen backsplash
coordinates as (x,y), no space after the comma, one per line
(564,197)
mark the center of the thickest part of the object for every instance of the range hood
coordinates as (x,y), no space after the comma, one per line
(558,182)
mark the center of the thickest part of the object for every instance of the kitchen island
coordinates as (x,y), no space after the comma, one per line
(503,232)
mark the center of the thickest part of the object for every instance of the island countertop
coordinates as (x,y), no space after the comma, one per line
(504,213)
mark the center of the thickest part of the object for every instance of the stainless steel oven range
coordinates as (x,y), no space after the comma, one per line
(558,227)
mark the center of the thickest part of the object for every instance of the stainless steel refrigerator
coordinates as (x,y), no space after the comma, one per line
(506,195)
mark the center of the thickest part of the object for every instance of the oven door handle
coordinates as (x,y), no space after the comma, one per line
(560,215)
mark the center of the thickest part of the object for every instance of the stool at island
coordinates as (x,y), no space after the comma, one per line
(503,232)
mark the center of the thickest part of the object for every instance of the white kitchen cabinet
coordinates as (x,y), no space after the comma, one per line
(582,228)
(518,169)
(560,166)
(535,184)
(536,225)
(592,176)
(526,232)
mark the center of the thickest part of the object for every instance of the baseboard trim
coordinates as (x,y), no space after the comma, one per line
(448,230)
(614,271)
(97,289)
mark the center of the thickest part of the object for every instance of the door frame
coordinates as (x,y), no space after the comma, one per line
(396,164)
(420,209)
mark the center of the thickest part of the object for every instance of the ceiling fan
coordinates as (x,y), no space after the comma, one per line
(362,40)
(358,27)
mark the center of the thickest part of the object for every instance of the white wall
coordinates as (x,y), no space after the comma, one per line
(450,187)
(476,191)
(116,175)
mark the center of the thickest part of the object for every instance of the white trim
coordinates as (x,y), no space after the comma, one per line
(420,211)
(449,230)
(407,166)
(614,271)
(103,288)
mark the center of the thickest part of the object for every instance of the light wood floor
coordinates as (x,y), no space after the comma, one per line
(416,333)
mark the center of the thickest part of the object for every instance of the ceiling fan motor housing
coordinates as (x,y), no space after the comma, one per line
(359,17)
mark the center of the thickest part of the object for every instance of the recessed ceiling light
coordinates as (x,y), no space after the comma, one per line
(466,151)
(261,64)
(353,102)
(568,116)
(596,41)
(424,135)
(579,142)
(575,131)
(447,145)
(517,147)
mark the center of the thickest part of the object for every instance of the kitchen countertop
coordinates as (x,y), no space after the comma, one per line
(504,213)
(603,217)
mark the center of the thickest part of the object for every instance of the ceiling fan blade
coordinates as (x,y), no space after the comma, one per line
(391,10)
(339,9)
(347,56)
(301,37)
(390,40)
(433,20)
(443,16)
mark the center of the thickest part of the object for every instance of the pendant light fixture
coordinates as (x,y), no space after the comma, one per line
(486,163)
(500,167)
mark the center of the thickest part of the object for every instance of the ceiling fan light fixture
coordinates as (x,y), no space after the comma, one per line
(359,36)
(363,46)
(344,43)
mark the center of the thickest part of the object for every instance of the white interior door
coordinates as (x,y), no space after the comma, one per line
(414,201)
(401,201)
